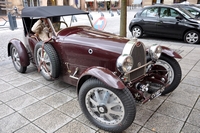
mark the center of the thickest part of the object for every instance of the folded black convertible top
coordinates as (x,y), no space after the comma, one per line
(50,11)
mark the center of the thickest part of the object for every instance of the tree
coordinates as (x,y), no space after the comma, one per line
(123,18)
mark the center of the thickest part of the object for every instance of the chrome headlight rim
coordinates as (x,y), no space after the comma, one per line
(124,63)
(155,52)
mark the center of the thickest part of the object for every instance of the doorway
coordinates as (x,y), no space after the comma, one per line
(51,2)
(66,2)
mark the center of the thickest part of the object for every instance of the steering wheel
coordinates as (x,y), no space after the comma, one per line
(57,25)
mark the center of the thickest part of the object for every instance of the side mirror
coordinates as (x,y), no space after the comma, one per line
(179,17)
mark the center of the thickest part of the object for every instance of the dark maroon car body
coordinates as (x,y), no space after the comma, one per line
(90,60)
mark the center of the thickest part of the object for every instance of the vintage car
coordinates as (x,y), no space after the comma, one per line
(110,72)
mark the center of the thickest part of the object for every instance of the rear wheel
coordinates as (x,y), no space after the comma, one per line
(192,37)
(16,60)
(108,108)
(48,62)
(137,32)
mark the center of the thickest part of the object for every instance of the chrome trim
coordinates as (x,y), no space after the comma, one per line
(71,76)
(139,67)
(155,52)
(137,51)
(90,51)
(128,47)
(121,63)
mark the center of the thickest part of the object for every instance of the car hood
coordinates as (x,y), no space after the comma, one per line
(88,36)
(194,20)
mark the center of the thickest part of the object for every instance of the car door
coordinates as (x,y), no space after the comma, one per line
(168,24)
(149,20)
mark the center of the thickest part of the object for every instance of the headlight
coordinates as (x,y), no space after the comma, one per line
(155,52)
(124,63)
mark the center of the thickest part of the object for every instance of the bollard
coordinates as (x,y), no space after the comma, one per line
(12,21)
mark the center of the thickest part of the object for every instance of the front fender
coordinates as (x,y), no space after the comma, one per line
(170,52)
(22,51)
(104,75)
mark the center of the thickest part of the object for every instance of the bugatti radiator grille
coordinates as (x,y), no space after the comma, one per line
(138,54)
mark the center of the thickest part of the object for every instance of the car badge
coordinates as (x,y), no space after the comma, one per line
(138,44)
(90,51)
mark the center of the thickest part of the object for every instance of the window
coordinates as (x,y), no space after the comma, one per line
(114,3)
(101,4)
(168,13)
(31,3)
(150,12)
(192,11)
(157,2)
(89,5)
(178,1)
(174,13)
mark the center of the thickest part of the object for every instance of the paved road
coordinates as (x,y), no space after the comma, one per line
(30,104)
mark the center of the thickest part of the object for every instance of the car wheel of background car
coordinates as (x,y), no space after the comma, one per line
(108,108)
(48,63)
(192,37)
(16,60)
(173,72)
(137,31)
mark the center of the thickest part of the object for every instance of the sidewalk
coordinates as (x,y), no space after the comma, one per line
(30,104)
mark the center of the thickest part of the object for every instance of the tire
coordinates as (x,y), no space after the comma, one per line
(173,72)
(138,31)
(16,60)
(102,112)
(51,71)
(192,37)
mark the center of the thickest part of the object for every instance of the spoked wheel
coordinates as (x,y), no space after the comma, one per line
(137,31)
(16,60)
(47,61)
(108,108)
(170,68)
(192,37)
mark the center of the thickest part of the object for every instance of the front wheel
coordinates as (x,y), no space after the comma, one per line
(170,68)
(108,108)
(16,60)
(192,37)
(137,32)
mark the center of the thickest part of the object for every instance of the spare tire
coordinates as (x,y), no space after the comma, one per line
(48,63)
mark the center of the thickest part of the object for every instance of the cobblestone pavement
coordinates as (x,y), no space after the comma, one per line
(30,104)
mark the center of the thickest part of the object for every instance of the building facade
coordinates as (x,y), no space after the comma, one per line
(93,5)
(81,4)
(151,2)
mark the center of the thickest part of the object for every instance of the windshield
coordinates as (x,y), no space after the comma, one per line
(63,22)
(196,8)
(186,13)
(76,20)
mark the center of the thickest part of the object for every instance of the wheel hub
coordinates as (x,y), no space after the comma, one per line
(102,109)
